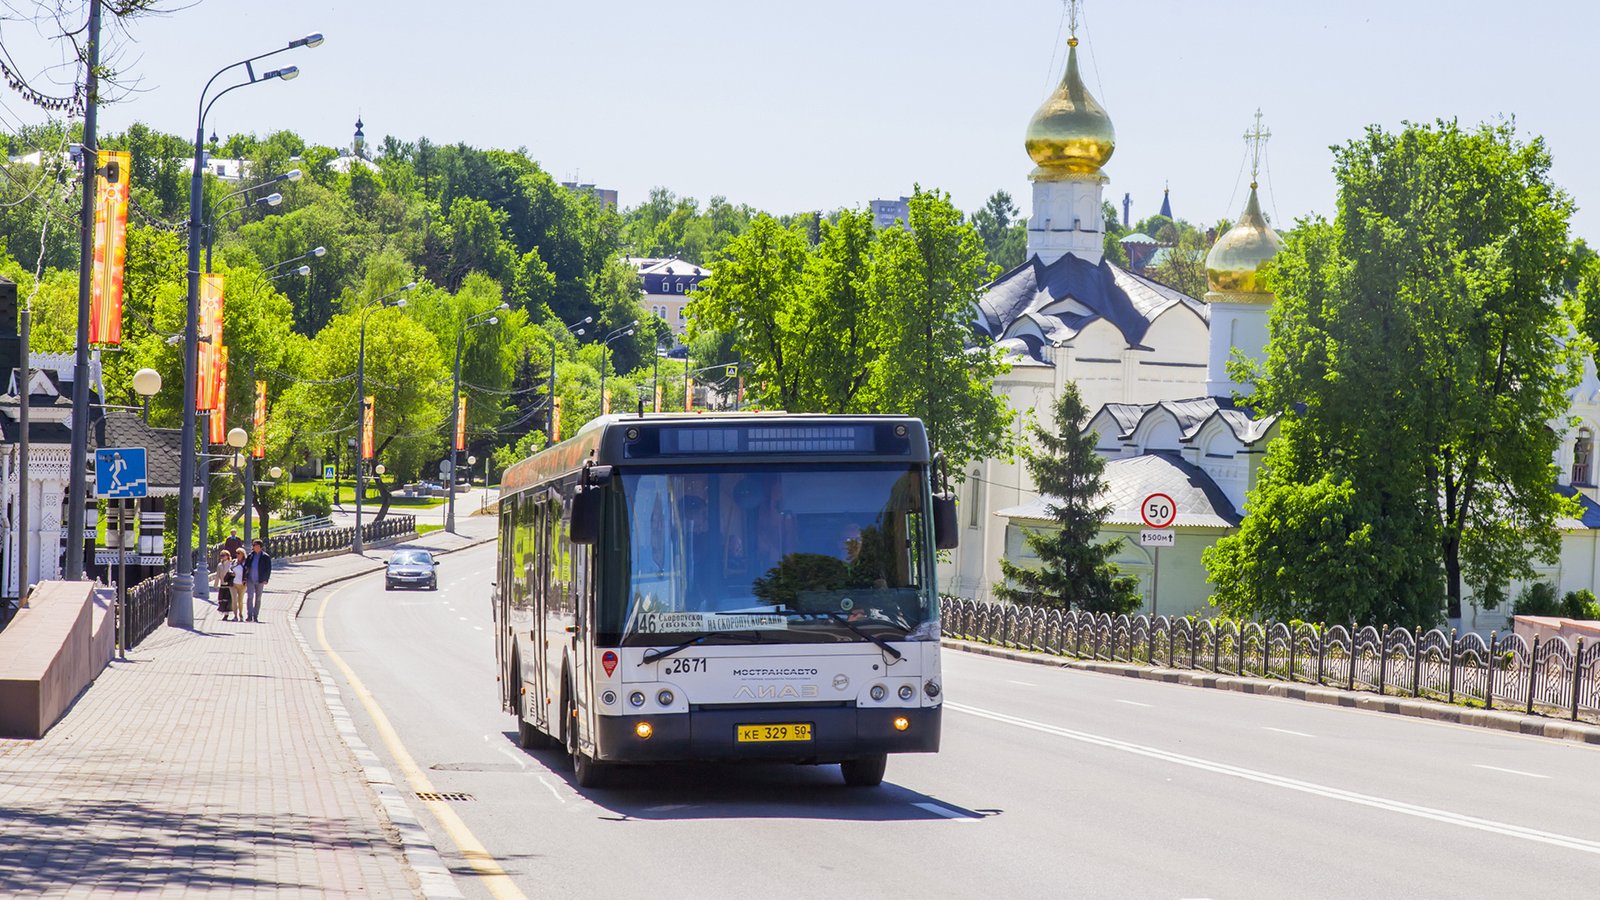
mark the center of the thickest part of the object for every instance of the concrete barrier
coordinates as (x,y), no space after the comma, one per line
(50,652)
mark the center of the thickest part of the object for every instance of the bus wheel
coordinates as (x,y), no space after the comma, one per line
(586,771)
(865,771)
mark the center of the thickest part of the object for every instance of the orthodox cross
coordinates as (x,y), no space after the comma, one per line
(1256,137)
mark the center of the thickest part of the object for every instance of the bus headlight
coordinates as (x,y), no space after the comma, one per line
(608,698)
(906,692)
(636,698)
(664,698)
(877,692)
(643,730)
(931,688)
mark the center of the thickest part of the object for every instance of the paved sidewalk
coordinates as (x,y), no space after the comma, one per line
(207,762)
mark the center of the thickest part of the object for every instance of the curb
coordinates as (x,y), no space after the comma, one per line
(1498,720)
(420,854)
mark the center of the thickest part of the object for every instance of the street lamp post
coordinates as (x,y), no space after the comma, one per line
(456,425)
(181,611)
(550,410)
(357,546)
(617,334)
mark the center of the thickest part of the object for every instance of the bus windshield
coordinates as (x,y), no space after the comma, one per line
(789,553)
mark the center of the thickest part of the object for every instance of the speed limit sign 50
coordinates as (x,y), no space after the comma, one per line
(1158,510)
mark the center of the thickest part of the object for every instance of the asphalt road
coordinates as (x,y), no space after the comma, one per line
(1050,783)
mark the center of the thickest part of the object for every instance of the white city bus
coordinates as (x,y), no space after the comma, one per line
(740,586)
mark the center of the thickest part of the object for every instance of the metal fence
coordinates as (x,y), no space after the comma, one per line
(1549,676)
(147,602)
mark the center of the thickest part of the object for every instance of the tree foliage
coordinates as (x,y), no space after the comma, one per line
(1418,353)
(863,322)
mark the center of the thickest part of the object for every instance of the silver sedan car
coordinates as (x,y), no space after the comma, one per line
(412,568)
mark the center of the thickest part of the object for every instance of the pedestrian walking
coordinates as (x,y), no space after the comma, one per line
(222,580)
(257,572)
(238,585)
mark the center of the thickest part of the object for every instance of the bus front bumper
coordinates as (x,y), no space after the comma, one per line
(838,733)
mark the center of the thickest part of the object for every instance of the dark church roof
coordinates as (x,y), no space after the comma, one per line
(1060,299)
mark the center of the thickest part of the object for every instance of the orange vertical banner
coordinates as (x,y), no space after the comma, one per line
(219,412)
(208,378)
(555,421)
(658,398)
(605,404)
(461,425)
(110,247)
(368,429)
(688,395)
(259,424)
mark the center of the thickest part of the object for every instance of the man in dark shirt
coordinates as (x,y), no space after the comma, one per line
(233,542)
(257,572)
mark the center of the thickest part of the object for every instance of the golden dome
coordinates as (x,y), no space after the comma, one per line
(1071,133)
(1234,264)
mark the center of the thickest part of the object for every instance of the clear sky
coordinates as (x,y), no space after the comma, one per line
(816,105)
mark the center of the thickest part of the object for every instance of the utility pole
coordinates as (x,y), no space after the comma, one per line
(77,486)
(26,368)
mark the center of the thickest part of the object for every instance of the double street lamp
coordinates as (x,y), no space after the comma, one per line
(550,411)
(181,611)
(361,396)
(456,424)
(616,335)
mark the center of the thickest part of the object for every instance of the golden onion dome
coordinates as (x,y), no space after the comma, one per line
(1071,133)
(1234,264)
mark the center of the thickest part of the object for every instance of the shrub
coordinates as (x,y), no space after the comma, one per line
(1580,604)
(316,502)
(1537,599)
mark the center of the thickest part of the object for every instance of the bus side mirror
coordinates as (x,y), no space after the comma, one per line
(586,515)
(946,529)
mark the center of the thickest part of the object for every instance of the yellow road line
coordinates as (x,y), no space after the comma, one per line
(491,876)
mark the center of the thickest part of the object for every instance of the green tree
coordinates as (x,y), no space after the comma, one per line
(1003,232)
(756,294)
(1418,354)
(927,279)
(1074,571)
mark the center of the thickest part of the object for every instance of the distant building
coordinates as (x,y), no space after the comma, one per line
(886,212)
(666,284)
(606,197)
(356,155)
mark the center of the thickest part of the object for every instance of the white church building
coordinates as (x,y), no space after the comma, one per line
(1152,363)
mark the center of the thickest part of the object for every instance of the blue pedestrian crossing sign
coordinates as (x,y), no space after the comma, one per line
(327,473)
(119,472)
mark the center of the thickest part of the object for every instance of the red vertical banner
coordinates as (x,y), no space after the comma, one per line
(368,431)
(209,376)
(259,424)
(110,248)
(219,412)
(461,425)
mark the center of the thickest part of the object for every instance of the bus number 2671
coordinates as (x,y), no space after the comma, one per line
(681,666)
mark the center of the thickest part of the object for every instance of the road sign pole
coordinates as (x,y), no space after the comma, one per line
(1155,582)
(119,620)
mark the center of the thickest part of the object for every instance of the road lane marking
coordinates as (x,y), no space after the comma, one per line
(1510,771)
(553,792)
(1137,703)
(1293,784)
(491,875)
(1023,683)
(945,811)
(1287,731)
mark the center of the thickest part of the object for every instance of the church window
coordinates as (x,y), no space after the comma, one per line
(975,501)
(680,287)
(1582,451)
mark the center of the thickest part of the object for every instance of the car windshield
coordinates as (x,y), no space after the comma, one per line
(791,553)
(411,558)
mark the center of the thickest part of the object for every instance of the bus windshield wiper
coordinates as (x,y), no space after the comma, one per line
(885,645)
(656,655)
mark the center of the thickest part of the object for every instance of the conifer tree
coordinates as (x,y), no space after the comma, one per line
(1074,571)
